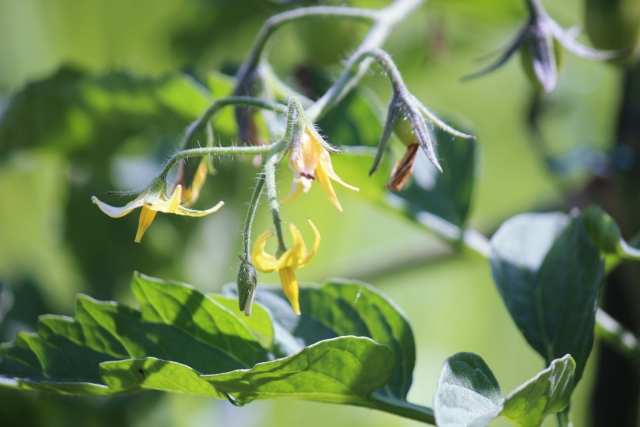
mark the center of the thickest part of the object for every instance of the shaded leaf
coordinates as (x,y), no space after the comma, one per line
(605,234)
(468,394)
(71,110)
(549,274)
(546,393)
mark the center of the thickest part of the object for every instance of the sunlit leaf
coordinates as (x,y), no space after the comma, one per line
(340,370)
(546,393)
(339,308)
(468,394)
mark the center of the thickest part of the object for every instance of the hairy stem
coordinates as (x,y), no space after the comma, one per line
(272,196)
(217,105)
(213,151)
(251,213)
(356,68)
(277,21)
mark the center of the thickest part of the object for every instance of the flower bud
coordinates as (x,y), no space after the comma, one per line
(246,282)
(541,56)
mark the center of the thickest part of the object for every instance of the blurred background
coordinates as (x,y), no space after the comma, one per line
(94,96)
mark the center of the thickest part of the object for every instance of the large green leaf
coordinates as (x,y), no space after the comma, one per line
(71,110)
(183,341)
(546,393)
(339,370)
(549,272)
(339,308)
(468,394)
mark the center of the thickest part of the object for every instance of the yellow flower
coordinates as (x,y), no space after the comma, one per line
(152,201)
(296,257)
(312,161)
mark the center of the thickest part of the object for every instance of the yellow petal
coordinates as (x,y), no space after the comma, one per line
(181,210)
(167,206)
(146,218)
(290,287)
(117,212)
(314,250)
(295,192)
(323,180)
(261,260)
(297,252)
(327,167)
(192,192)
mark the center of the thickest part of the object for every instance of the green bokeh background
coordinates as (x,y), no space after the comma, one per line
(450,300)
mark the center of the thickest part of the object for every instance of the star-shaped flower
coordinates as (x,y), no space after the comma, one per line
(310,160)
(296,257)
(153,200)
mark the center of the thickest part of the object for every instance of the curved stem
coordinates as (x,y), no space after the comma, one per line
(251,213)
(402,408)
(272,196)
(213,151)
(356,68)
(277,21)
(196,126)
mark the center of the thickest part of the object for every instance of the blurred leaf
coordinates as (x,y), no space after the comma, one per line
(468,394)
(70,110)
(339,308)
(546,393)
(549,274)
(224,122)
(356,121)
(605,234)
(340,370)
(447,195)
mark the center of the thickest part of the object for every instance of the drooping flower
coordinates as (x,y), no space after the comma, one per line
(295,257)
(310,160)
(153,200)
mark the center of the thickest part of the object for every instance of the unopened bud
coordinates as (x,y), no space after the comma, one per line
(541,57)
(247,282)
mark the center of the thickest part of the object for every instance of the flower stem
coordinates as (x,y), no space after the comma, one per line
(251,213)
(213,151)
(403,409)
(356,68)
(272,196)
(277,21)
(217,105)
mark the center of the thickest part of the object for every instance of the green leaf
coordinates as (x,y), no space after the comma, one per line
(340,370)
(605,234)
(355,121)
(151,373)
(549,272)
(468,394)
(546,393)
(339,308)
(182,341)
(176,323)
(259,323)
(71,110)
